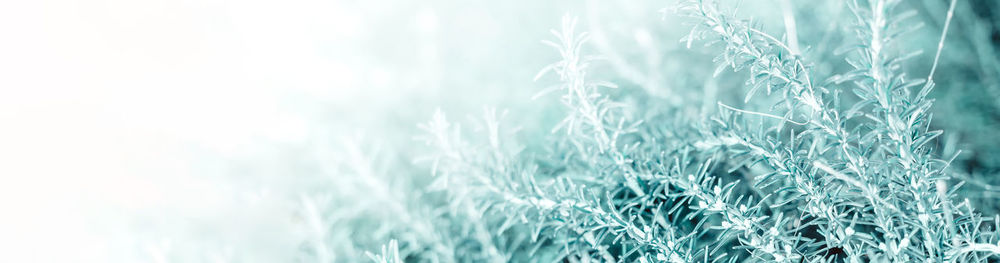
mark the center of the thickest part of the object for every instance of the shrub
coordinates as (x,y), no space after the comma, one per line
(843,164)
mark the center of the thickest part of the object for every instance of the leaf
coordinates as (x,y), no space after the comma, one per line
(545,70)
(926,137)
(604,84)
(857,108)
(753,90)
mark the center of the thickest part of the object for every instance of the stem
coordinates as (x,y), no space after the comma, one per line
(790,29)
(944,34)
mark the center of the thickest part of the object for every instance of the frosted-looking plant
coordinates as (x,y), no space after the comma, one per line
(891,179)
(390,254)
(813,166)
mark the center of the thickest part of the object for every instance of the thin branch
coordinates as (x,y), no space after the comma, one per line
(944,34)
(762,114)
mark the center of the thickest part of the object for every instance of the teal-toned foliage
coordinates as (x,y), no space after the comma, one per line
(828,153)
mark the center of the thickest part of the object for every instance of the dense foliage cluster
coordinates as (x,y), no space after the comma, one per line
(829,153)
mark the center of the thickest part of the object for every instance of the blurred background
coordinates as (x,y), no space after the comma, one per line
(283,131)
(188,131)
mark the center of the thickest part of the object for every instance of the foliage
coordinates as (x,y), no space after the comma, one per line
(844,164)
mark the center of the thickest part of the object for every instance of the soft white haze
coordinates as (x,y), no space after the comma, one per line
(164,130)
(106,108)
